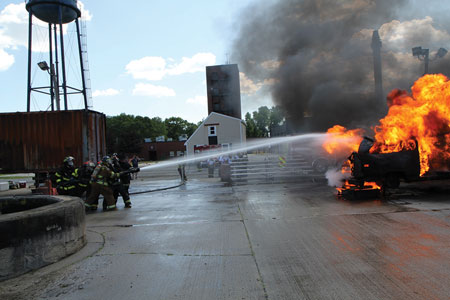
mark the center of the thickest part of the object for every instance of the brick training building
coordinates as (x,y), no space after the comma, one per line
(162,150)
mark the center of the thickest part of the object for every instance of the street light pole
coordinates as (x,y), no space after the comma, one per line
(424,55)
(53,81)
(426,59)
(55,86)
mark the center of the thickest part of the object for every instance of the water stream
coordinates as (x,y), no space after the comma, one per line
(310,140)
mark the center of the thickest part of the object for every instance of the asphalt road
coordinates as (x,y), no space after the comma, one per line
(207,240)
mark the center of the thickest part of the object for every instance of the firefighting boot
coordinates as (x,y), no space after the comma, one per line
(111,207)
(90,207)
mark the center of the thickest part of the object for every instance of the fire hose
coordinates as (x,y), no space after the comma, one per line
(135,170)
(157,190)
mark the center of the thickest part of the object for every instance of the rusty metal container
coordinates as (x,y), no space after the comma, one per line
(39,141)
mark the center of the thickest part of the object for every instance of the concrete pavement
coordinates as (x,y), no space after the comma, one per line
(206,240)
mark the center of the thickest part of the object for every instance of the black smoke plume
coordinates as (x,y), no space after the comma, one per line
(319,62)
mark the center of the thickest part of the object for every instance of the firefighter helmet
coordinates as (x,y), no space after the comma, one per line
(69,161)
(106,160)
(89,164)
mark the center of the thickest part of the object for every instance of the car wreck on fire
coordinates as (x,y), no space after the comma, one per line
(386,169)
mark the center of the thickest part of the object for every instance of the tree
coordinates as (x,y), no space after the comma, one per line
(262,120)
(158,128)
(276,116)
(251,130)
(122,134)
(177,126)
(126,133)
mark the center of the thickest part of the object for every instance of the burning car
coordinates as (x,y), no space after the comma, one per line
(412,142)
(386,169)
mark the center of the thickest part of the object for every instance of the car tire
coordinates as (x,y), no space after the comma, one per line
(320,165)
(392,180)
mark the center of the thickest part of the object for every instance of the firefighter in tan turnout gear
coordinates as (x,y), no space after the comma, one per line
(100,184)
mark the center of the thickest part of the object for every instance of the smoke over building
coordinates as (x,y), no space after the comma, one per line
(318,56)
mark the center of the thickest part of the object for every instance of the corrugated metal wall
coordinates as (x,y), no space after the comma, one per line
(39,141)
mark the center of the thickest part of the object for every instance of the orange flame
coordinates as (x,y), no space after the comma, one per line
(367,186)
(423,116)
(339,140)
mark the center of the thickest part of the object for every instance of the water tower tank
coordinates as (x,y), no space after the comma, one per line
(48,10)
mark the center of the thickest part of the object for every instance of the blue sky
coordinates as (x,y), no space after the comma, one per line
(145,59)
(148,58)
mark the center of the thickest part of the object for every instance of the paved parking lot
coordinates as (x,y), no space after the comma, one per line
(208,240)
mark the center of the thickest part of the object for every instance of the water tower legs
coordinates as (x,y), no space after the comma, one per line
(83,80)
(30,33)
(52,93)
(63,59)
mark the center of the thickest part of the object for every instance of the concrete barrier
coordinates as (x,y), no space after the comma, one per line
(37,231)
(4,186)
(225,172)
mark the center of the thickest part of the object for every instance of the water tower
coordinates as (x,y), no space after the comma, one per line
(55,13)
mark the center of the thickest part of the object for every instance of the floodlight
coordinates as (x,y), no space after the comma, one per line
(417,51)
(424,55)
(441,52)
(43,65)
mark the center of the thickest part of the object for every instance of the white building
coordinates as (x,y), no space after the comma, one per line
(217,129)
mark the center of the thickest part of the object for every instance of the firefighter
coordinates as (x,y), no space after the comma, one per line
(65,178)
(135,163)
(182,172)
(83,174)
(211,162)
(122,184)
(100,184)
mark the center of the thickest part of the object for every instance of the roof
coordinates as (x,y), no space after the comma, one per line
(209,116)
(225,66)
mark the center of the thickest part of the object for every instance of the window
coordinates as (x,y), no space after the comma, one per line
(215,91)
(215,76)
(212,131)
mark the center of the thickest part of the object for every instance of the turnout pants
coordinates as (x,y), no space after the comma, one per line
(122,190)
(97,190)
